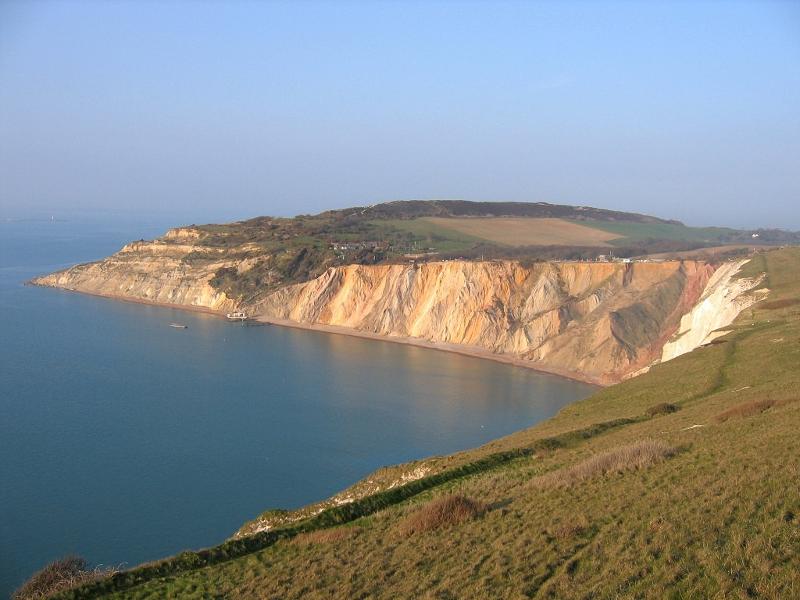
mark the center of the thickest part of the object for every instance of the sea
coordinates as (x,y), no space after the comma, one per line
(124,440)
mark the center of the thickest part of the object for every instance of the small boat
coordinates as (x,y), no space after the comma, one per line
(237,316)
(178,326)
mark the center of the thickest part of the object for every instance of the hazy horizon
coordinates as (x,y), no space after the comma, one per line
(174,218)
(203,112)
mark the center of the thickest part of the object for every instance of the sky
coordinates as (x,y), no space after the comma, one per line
(211,111)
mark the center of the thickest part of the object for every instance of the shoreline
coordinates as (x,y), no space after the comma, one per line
(464,350)
(470,351)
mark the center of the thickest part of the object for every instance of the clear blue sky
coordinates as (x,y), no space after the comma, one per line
(213,111)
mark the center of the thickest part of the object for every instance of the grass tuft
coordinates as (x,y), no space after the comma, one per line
(569,529)
(634,456)
(443,512)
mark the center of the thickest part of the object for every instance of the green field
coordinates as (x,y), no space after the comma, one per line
(630,232)
(437,233)
(715,515)
(429,235)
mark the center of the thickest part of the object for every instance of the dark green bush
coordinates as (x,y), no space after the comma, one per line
(664,408)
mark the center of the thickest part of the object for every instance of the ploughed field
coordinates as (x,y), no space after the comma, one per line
(678,483)
(526,231)
(464,232)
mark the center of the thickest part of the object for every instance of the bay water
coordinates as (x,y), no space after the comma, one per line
(124,440)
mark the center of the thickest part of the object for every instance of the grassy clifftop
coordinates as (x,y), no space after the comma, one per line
(680,483)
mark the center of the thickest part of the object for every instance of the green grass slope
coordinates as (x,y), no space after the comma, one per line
(633,232)
(681,483)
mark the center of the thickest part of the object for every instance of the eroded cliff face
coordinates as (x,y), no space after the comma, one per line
(171,270)
(596,321)
(599,322)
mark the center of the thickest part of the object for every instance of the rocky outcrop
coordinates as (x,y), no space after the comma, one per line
(596,321)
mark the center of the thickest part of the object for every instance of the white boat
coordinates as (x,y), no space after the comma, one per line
(179,326)
(237,316)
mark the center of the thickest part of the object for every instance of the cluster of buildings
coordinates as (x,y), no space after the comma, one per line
(412,251)
(349,246)
(612,258)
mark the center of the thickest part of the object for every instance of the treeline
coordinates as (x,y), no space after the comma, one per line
(411,209)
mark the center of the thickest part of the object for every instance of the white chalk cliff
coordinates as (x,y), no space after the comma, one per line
(724,297)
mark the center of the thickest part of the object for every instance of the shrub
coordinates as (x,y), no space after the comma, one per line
(443,512)
(59,575)
(665,408)
(617,460)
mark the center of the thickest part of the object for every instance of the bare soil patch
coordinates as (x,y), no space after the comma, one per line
(522,231)
(443,512)
(749,409)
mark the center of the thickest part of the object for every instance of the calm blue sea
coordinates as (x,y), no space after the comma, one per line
(125,440)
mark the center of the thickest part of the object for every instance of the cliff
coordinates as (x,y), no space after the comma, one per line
(724,297)
(601,322)
(596,321)
(171,270)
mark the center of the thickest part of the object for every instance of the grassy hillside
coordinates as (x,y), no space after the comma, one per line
(460,234)
(587,232)
(414,209)
(681,483)
(629,232)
